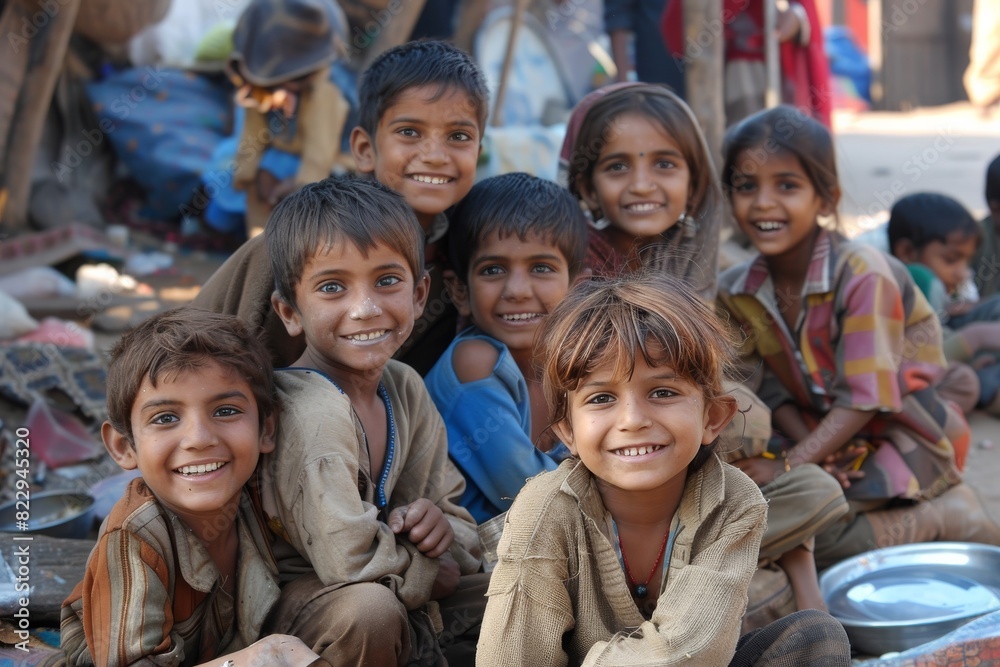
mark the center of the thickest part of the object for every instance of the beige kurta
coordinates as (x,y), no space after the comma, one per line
(558,595)
(321,496)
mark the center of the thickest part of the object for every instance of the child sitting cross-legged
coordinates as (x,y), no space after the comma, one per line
(639,549)
(516,243)
(182,573)
(359,488)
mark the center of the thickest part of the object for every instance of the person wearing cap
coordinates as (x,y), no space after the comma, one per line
(280,64)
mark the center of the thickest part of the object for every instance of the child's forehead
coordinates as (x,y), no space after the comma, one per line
(501,242)
(440,102)
(202,374)
(344,255)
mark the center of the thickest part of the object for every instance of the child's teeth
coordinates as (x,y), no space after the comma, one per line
(768,226)
(434,180)
(638,451)
(520,316)
(368,336)
(642,208)
(201,469)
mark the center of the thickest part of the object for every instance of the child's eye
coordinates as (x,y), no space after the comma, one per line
(665,164)
(788,185)
(407,132)
(745,186)
(664,393)
(387,281)
(600,399)
(461,136)
(616,166)
(542,268)
(227,411)
(164,418)
(331,288)
(491,270)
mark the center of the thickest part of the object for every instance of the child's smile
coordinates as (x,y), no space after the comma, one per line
(197,440)
(513,284)
(641,181)
(354,308)
(637,432)
(775,203)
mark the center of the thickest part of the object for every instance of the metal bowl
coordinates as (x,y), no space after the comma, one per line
(896,598)
(53,513)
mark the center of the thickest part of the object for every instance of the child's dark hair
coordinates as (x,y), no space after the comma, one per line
(614,320)
(415,64)
(926,217)
(787,130)
(182,340)
(517,204)
(340,208)
(658,103)
(993,182)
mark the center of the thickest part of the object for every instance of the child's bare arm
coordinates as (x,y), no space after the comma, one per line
(838,427)
(425,525)
(787,418)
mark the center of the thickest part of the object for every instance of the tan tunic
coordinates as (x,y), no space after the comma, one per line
(321,496)
(558,595)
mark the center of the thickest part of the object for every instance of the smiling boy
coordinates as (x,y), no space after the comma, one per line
(517,243)
(422,111)
(182,571)
(360,488)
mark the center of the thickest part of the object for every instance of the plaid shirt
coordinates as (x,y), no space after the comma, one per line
(866,339)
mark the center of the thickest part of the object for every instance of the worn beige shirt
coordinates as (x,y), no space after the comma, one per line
(558,595)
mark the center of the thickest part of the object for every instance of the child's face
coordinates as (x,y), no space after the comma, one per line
(641,182)
(775,203)
(355,310)
(197,439)
(640,433)
(426,149)
(949,260)
(512,285)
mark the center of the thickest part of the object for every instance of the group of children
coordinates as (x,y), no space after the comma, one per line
(333,509)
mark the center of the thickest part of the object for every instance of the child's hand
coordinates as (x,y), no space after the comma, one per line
(447,579)
(425,525)
(844,464)
(761,470)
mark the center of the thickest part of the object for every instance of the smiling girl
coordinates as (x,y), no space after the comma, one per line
(640,163)
(851,349)
(640,548)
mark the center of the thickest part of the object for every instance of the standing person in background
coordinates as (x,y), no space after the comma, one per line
(982,77)
(639,18)
(805,72)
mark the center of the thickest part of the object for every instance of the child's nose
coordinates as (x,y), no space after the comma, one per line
(433,151)
(517,286)
(632,416)
(199,434)
(642,179)
(364,307)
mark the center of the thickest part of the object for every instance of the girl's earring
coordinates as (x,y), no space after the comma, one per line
(598,224)
(688,224)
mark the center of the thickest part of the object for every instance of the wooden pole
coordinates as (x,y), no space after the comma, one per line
(772,94)
(36,39)
(703,68)
(508,59)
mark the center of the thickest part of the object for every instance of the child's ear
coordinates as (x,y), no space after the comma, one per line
(267,430)
(829,207)
(564,431)
(288,313)
(363,150)
(718,414)
(119,447)
(905,251)
(587,193)
(459,292)
(421,292)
